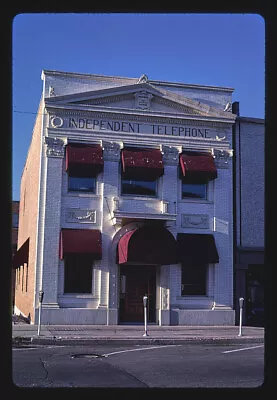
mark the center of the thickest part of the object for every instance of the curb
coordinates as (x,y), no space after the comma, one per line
(22,341)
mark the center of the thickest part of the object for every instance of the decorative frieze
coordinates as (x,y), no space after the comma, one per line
(80,216)
(170,155)
(222,157)
(200,221)
(111,151)
(54,147)
(142,100)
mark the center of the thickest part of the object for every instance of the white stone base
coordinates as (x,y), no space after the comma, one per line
(202,317)
(164,317)
(72,316)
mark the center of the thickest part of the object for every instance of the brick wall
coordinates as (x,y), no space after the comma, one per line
(15,210)
(28,221)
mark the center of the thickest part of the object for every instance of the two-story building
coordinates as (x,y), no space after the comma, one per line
(127,190)
(249,216)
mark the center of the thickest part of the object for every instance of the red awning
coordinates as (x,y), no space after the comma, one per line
(84,158)
(151,245)
(194,249)
(22,255)
(198,165)
(142,163)
(81,241)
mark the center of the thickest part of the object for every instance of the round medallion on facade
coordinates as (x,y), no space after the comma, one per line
(56,122)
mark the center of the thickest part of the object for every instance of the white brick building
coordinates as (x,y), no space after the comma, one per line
(127,190)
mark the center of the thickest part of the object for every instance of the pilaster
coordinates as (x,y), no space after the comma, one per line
(109,268)
(164,318)
(54,149)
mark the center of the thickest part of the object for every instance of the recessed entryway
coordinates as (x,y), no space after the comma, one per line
(137,281)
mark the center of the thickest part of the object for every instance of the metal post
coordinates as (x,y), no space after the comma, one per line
(145,298)
(40,296)
(241,299)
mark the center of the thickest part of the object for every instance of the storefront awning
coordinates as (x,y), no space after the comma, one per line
(198,165)
(22,255)
(85,159)
(150,245)
(139,163)
(87,241)
(194,249)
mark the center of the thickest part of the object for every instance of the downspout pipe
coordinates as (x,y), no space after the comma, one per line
(235,110)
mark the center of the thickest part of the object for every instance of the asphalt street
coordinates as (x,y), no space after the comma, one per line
(139,366)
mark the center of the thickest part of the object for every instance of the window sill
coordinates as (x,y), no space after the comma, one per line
(138,197)
(76,296)
(192,296)
(196,201)
(82,194)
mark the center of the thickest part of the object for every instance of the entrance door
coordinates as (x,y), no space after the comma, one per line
(136,282)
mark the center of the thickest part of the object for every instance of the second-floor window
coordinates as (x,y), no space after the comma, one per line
(141,187)
(82,184)
(83,164)
(194,189)
(140,170)
(196,170)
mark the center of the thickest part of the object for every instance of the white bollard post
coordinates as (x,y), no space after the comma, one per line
(145,298)
(241,299)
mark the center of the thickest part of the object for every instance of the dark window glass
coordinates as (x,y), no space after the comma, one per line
(194,189)
(82,184)
(194,280)
(78,273)
(139,187)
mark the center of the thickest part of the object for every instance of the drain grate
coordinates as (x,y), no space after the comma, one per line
(87,355)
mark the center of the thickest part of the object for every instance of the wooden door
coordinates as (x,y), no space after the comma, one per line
(139,281)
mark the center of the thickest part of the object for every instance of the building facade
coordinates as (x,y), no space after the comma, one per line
(249,211)
(127,190)
(15,219)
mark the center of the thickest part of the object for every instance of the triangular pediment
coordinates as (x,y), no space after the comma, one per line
(141,97)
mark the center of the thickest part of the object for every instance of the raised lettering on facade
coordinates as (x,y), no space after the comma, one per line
(135,127)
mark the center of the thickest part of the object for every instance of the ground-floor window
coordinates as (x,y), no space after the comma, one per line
(194,280)
(78,273)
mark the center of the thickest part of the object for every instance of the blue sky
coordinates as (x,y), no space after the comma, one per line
(209,49)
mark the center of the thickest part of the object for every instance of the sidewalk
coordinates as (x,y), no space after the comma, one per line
(23,333)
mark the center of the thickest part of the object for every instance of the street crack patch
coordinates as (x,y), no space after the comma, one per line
(87,355)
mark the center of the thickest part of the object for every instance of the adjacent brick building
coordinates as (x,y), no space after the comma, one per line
(249,212)
(15,219)
(127,190)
